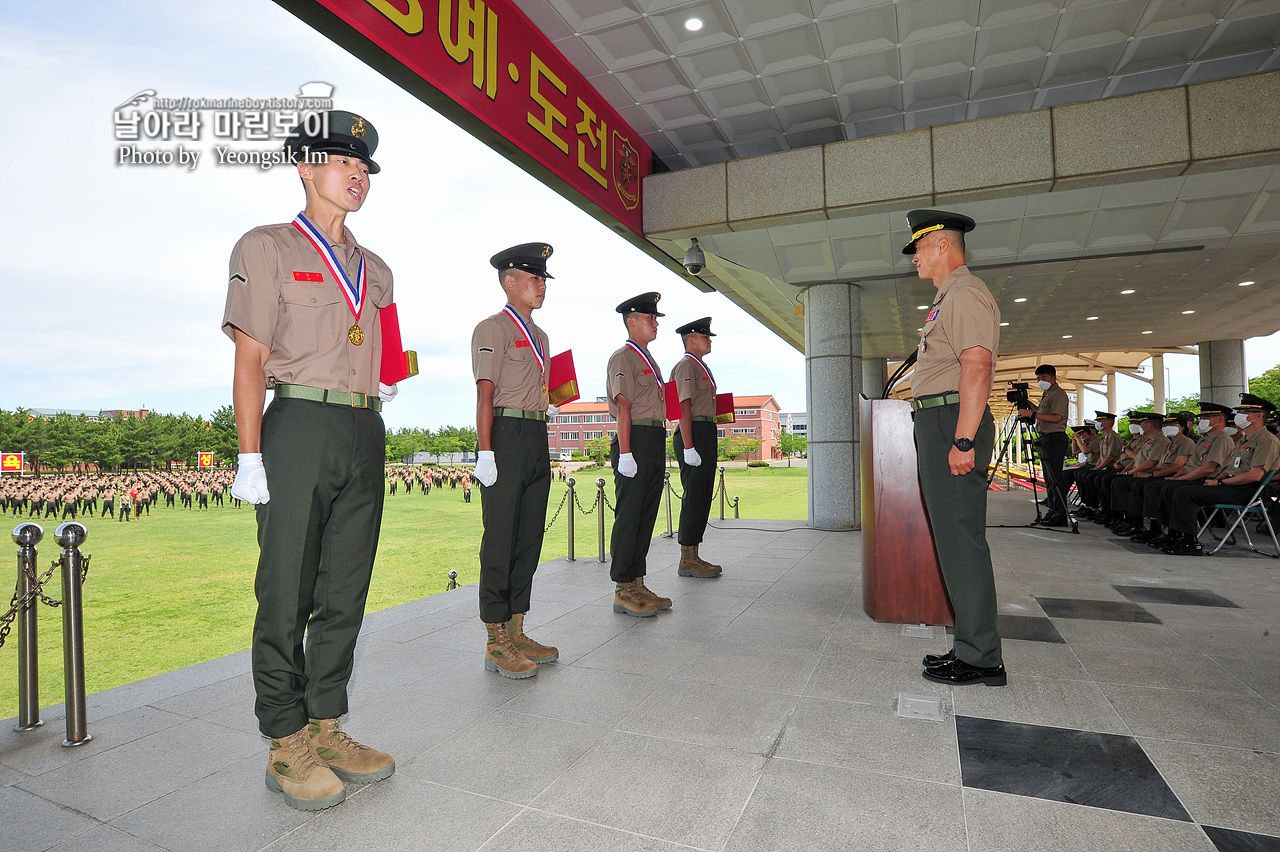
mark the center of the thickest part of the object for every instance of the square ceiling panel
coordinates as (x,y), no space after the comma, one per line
(873,29)
(626,45)
(735,99)
(656,82)
(785,50)
(717,66)
(757,17)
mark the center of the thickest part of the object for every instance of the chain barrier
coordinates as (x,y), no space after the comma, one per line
(554,517)
(17,604)
(593,505)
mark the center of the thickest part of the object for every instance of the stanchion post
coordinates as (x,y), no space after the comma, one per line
(735,507)
(71,535)
(600,510)
(27,536)
(666,487)
(722,492)
(573,507)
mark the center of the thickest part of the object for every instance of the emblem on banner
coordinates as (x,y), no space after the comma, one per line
(204,459)
(626,171)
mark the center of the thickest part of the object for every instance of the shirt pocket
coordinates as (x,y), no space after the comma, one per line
(312,315)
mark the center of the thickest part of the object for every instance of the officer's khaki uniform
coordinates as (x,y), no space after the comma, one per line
(698,387)
(964,315)
(637,497)
(324,461)
(1053,446)
(1261,449)
(1157,498)
(1127,491)
(515,506)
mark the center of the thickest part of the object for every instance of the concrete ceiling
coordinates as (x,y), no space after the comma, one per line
(769,76)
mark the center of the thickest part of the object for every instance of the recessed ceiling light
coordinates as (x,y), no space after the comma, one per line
(1245,283)
(693,24)
(1188,312)
(922,307)
(1146,332)
(1126,292)
(1066,337)
(1004,324)
(1021,299)
(1091,318)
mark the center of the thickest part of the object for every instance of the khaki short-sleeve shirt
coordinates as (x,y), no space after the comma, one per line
(1214,447)
(1152,448)
(1110,444)
(963,315)
(501,354)
(283,295)
(693,383)
(637,380)
(1181,445)
(1054,401)
(1261,449)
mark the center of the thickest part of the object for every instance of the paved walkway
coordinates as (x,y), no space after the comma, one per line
(1142,713)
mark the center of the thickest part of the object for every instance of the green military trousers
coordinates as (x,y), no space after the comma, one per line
(317,537)
(957,507)
(515,511)
(638,498)
(699,483)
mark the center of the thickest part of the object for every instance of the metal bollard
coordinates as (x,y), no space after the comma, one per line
(666,487)
(735,507)
(27,536)
(722,492)
(71,535)
(600,509)
(572,508)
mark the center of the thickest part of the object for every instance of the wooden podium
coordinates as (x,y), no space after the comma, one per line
(901,581)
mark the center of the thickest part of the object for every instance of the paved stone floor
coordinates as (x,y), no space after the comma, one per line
(760,713)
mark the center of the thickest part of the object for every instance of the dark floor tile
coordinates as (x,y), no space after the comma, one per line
(1184,597)
(1063,765)
(1230,840)
(1033,628)
(1096,610)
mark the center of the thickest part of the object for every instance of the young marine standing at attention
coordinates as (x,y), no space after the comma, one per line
(638,455)
(302,309)
(694,443)
(510,360)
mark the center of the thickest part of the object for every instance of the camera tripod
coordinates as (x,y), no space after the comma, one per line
(1029,434)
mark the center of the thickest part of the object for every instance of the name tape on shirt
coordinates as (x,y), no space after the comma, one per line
(316,277)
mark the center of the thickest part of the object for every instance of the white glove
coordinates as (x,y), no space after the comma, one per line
(553,410)
(692,458)
(386,393)
(627,465)
(251,479)
(486,468)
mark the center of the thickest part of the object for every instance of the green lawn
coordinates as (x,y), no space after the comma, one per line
(176,588)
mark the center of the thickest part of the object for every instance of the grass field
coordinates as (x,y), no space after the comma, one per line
(176,587)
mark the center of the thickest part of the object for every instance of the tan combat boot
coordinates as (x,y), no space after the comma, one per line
(502,656)
(698,557)
(659,602)
(692,566)
(294,771)
(348,759)
(528,646)
(629,599)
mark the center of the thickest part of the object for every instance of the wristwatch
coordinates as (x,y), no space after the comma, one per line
(964,445)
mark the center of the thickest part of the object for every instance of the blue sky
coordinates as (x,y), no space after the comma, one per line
(114,276)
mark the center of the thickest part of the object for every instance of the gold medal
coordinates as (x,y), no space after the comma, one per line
(544,386)
(355,334)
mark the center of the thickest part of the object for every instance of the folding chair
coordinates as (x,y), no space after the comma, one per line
(1257,505)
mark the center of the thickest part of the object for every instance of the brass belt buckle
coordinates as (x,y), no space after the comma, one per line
(359,400)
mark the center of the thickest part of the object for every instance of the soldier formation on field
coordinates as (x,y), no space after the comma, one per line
(120,496)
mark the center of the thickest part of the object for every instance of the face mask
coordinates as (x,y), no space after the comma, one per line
(1082,457)
(1170,431)
(1044,385)
(1242,420)
(1202,426)
(1230,430)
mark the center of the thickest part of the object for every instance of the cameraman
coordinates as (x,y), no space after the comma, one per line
(1050,418)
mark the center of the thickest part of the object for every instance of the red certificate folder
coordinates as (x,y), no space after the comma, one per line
(724,408)
(672,400)
(397,364)
(562,379)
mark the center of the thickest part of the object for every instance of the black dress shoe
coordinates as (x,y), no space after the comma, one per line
(933,661)
(1127,530)
(959,673)
(1187,547)
(1146,536)
(1161,540)
(1054,519)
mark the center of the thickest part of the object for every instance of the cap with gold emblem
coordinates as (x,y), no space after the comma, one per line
(1250,402)
(698,326)
(531,257)
(334,132)
(1104,415)
(645,303)
(1207,407)
(923,222)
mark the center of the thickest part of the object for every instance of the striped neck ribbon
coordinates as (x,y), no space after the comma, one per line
(353,291)
(704,367)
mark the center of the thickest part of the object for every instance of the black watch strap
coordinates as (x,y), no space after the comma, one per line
(964,445)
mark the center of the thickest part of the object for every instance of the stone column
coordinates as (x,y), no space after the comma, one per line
(833,381)
(1222,371)
(1111,394)
(875,372)
(1157,382)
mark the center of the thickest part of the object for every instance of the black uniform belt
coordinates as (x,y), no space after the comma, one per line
(520,413)
(657,423)
(355,400)
(934,400)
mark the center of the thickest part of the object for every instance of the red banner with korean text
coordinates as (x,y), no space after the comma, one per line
(204,459)
(11,462)
(490,59)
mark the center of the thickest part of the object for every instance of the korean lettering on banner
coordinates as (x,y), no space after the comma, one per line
(11,462)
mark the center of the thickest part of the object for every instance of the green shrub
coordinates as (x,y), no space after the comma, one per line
(757,463)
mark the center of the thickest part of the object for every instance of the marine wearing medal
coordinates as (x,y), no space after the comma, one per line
(694,442)
(510,359)
(955,436)
(302,309)
(638,455)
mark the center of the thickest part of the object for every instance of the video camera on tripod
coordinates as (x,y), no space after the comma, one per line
(1022,402)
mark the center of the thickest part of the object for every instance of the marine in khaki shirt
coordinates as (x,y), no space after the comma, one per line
(963,315)
(640,381)
(501,354)
(694,445)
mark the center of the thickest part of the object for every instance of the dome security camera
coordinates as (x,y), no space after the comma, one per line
(694,260)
